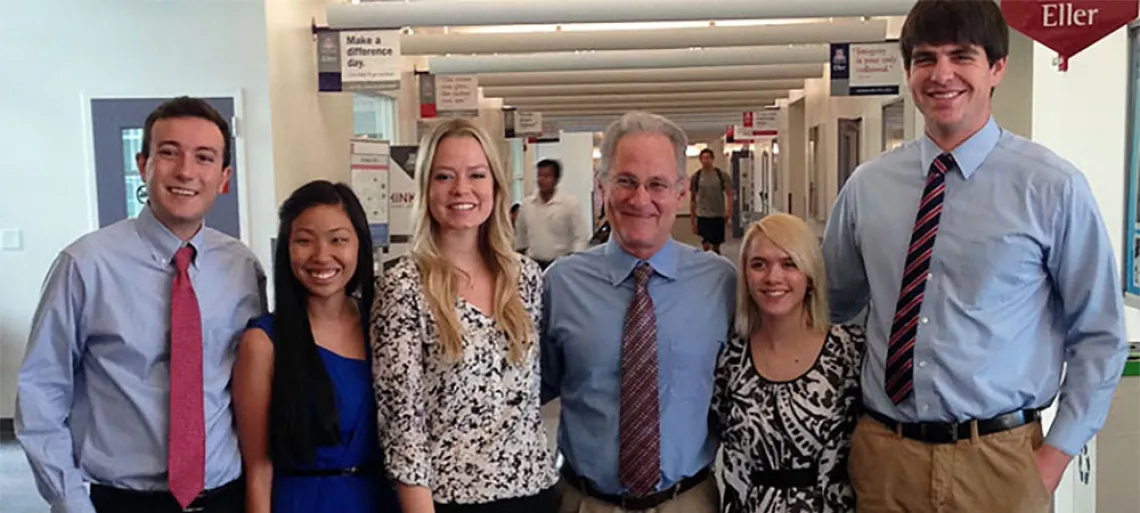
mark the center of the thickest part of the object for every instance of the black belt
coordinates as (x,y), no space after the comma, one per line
(357,470)
(156,500)
(787,478)
(628,502)
(951,432)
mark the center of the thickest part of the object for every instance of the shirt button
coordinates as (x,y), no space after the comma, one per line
(922,363)
(925,320)
(925,407)
(929,276)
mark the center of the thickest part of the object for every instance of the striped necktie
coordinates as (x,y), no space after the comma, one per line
(639,429)
(900,351)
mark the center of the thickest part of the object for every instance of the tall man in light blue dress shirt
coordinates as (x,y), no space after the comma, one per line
(1021,288)
(94,389)
(586,300)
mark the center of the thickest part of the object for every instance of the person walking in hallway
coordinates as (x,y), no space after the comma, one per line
(992,280)
(710,202)
(631,335)
(455,342)
(550,224)
(126,380)
(787,384)
(303,380)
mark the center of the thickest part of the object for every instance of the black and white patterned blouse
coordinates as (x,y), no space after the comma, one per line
(803,424)
(469,431)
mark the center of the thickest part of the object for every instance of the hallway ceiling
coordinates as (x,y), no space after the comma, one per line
(583,63)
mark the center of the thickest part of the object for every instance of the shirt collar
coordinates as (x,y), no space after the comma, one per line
(970,154)
(163,243)
(536,198)
(621,264)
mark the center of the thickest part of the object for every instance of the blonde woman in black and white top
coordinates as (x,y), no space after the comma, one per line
(455,343)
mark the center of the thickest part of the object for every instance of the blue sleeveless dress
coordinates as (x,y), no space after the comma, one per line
(359,447)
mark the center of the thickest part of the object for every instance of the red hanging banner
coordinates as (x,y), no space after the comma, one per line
(1068,27)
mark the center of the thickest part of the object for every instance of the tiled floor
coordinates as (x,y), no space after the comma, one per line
(17,489)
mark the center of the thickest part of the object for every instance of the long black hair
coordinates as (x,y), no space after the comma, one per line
(303,406)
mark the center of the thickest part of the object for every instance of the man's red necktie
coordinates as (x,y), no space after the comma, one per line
(186,456)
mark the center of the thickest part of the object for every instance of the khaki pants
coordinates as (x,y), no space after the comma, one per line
(703,498)
(992,474)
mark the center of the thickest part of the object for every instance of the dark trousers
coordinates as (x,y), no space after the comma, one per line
(546,501)
(228,498)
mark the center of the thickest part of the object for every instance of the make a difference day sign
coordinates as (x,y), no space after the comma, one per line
(359,60)
(370,58)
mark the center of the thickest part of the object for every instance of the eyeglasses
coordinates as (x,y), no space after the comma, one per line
(656,187)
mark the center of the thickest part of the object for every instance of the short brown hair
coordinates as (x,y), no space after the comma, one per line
(187,107)
(963,22)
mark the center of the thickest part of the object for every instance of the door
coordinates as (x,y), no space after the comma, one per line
(849,141)
(117,130)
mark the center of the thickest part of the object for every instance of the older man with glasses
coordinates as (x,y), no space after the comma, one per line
(630,338)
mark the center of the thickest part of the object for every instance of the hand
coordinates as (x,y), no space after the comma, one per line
(1051,463)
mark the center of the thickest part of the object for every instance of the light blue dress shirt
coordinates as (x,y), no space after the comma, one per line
(1022,283)
(586,297)
(93,393)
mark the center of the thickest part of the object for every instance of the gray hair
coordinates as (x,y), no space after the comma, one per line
(643,122)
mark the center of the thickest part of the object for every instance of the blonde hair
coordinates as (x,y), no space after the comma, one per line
(793,236)
(496,245)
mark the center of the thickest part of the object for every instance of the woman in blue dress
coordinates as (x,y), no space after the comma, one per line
(303,384)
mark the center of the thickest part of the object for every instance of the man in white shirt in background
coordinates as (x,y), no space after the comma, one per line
(550,224)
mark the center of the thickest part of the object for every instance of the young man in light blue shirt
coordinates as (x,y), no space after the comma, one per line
(987,271)
(125,382)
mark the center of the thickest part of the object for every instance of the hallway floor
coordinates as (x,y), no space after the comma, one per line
(17,488)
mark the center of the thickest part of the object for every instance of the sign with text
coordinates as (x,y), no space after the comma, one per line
(865,69)
(764,123)
(448,95)
(520,123)
(1068,27)
(368,174)
(528,122)
(358,60)
(403,193)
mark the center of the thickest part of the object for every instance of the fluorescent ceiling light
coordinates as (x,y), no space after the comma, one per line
(650,25)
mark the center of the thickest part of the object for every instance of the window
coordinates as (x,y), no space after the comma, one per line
(1132,223)
(374,116)
(136,190)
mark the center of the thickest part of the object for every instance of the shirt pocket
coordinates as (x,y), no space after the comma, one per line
(690,366)
(996,269)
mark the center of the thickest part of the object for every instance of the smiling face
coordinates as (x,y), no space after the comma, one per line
(777,286)
(184,172)
(951,85)
(323,250)
(461,193)
(643,192)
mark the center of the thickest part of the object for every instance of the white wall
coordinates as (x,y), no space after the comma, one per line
(310,130)
(1012,108)
(1082,116)
(576,152)
(111,48)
